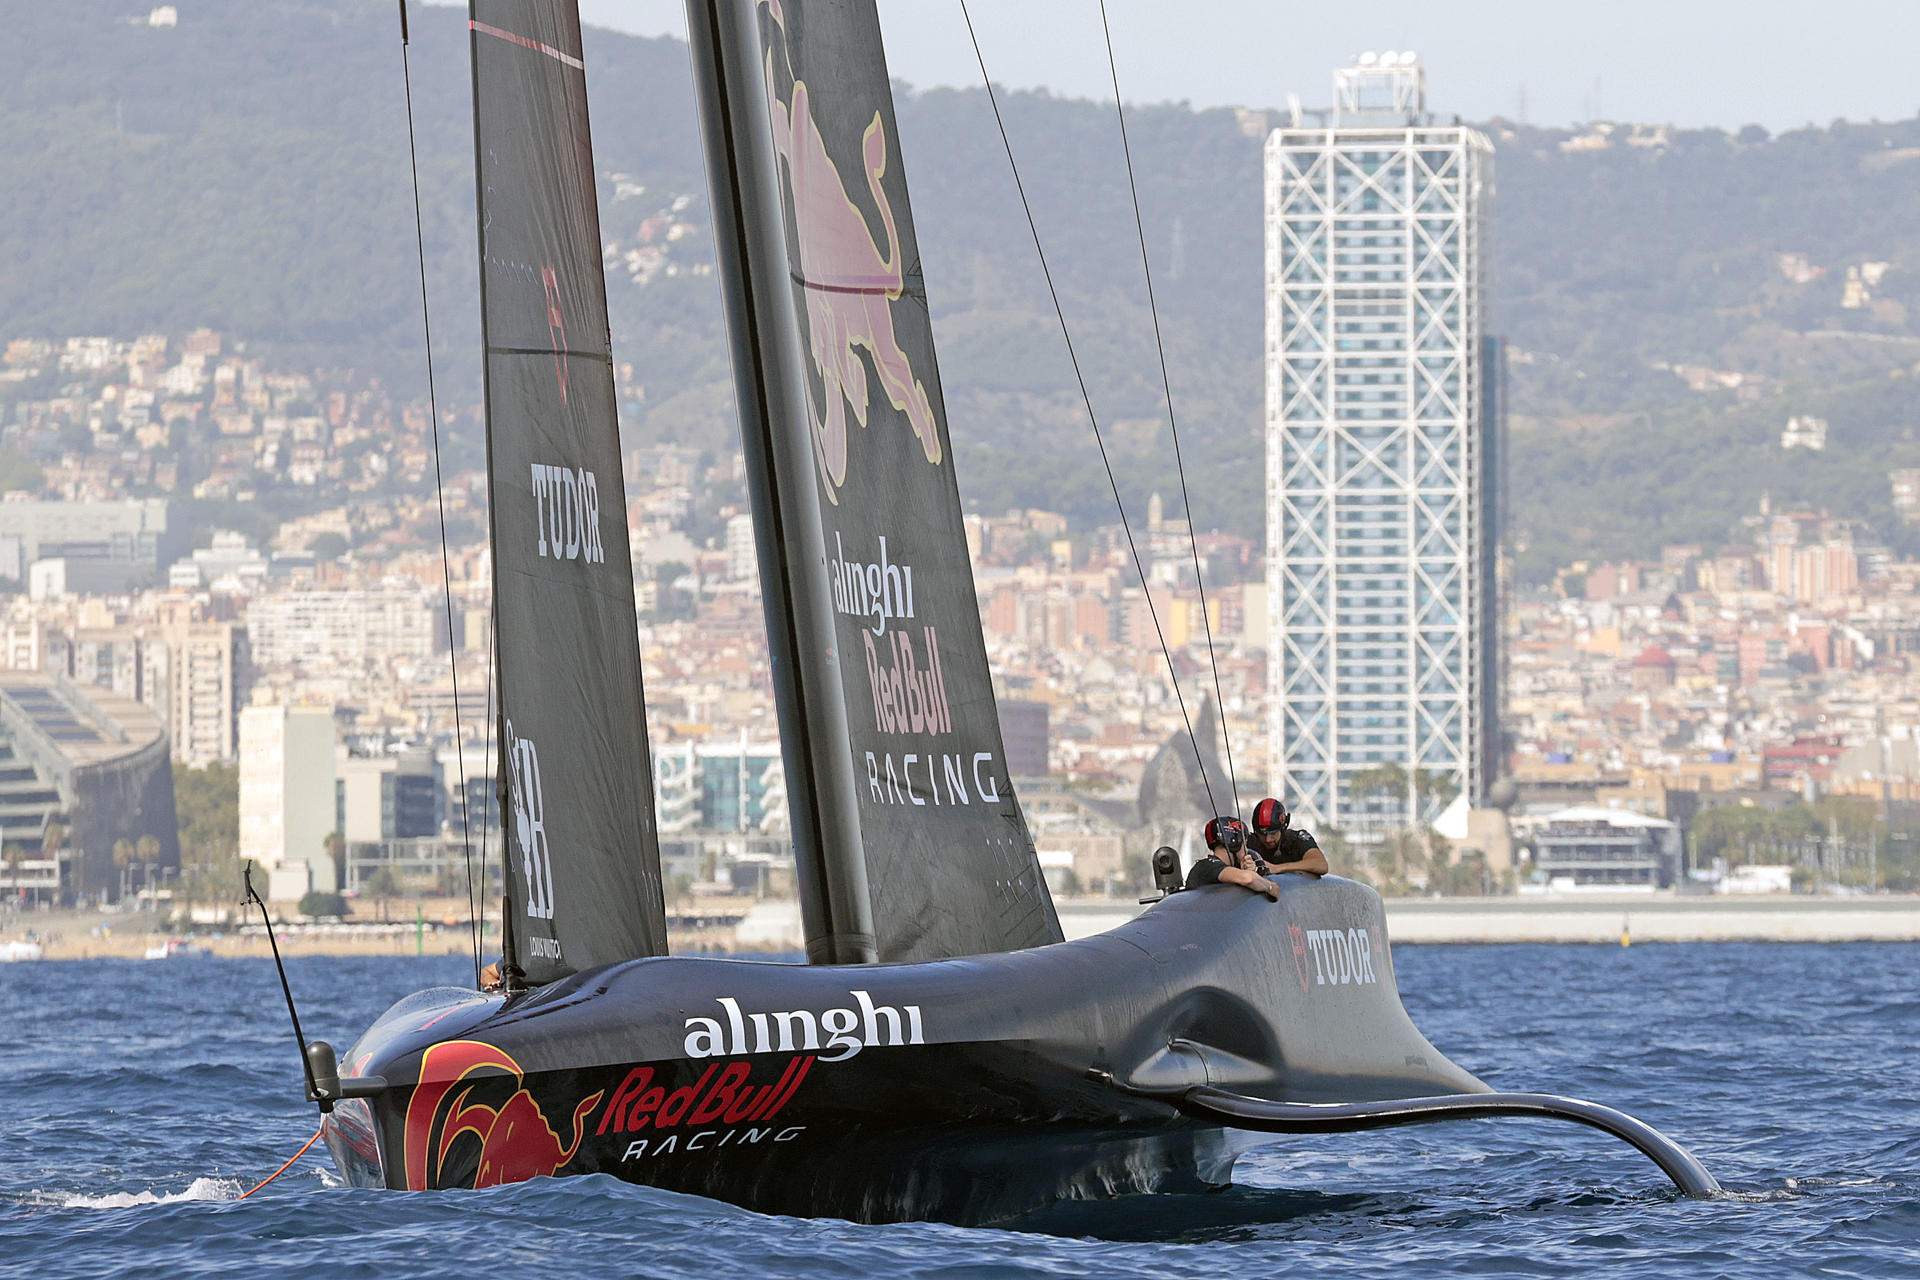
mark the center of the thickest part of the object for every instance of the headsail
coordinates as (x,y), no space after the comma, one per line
(948,863)
(583,859)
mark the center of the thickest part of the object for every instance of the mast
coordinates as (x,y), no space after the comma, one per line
(579,842)
(769,381)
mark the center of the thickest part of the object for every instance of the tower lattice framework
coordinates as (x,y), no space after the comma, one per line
(1376,461)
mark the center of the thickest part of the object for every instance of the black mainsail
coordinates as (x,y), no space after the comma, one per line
(583,858)
(868,573)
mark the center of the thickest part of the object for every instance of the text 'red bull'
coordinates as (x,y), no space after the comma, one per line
(638,1103)
(908,696)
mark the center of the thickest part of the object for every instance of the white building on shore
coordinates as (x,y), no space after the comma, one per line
(287,799)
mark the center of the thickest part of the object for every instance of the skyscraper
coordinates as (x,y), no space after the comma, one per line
(1382,682)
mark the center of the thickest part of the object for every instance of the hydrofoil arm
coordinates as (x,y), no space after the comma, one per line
(1237,1110)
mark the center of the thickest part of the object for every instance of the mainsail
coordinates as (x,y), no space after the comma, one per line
(583,858)
(887,662)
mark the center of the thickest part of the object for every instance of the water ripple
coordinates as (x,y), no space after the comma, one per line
(1787,1069)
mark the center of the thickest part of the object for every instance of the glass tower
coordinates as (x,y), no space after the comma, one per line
(1382,673)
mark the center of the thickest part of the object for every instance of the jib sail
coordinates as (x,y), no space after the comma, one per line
(583,859)
(888,710)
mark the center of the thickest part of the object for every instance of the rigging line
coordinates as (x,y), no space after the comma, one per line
(1086,398)
(295,1159)
(1166,382)
(439,484)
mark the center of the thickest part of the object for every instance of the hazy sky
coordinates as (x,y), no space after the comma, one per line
(1780,63)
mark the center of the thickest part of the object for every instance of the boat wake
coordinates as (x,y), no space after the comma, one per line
(198,1189)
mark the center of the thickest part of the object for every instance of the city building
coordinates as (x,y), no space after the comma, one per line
(228,562)
(206,666)
(393,797)
(288,807)
(472,801)
(108,545)
(1024,731)
(424,865)
(1594,847)
(732,786)
(1904,482)
(742,566)
(343,629)
(1804,432)
(86,791)
(1381,419)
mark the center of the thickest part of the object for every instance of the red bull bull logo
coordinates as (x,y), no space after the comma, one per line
(850,281)
(516,1142)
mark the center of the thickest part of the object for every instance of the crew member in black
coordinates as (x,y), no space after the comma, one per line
(1276,841)
(1230,861)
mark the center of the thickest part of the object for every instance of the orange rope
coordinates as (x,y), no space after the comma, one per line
(289,1164)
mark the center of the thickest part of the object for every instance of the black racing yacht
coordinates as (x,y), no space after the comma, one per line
(942,1053)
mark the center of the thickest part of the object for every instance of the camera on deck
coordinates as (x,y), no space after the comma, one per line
(1166,874)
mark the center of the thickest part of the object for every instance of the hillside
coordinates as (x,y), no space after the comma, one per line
(246,170)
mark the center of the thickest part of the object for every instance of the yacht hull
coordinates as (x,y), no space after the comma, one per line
(966,1090)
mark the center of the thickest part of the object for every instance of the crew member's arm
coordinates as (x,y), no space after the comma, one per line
(1211,870)
(1249,880)
(1301,854)
(1313,863)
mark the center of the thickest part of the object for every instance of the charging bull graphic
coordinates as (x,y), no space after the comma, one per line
(516,1142)
(850,282)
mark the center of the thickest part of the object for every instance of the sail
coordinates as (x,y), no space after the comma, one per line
(949,865)
(583,859)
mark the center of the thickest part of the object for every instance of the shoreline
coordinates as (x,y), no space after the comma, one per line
(773,927)
(1602,918)
(1605,920)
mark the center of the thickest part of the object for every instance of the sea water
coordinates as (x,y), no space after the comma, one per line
(138,1099)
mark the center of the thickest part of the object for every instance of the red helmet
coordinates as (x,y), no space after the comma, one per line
(1226,833)
(1270,816)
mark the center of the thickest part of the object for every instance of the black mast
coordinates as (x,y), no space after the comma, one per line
(770,387)
(511,974)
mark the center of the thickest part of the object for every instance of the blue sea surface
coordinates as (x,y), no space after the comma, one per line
(138,1099)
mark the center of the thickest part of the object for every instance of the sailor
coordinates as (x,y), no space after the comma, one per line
(1230,861)
(501,976)
(1279,844)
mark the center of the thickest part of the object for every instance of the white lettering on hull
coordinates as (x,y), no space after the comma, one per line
(1342,957)
(704,1140)
(834,1034)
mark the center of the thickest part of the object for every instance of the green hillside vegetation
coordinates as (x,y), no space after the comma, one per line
(246,170)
